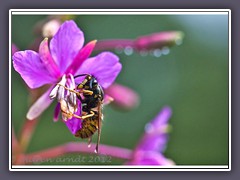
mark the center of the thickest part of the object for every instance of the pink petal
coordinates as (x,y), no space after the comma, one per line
(150,158)
(66,43)
(153,142)
(74,124)
(47,59)
(30,67)
(107,99)
(40,105)
(155,158)
(155,136)
(82,55)
(105,67)
(123,96)
(162,118)
(56,112)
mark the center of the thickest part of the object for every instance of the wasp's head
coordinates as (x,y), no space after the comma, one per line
(91,81)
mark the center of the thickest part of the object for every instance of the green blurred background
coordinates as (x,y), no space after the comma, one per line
(192,79)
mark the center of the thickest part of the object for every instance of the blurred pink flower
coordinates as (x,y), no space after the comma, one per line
(152,144)
(150,42)
(51,27)
(158,40)
(123,96)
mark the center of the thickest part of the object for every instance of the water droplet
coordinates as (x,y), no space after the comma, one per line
(157,53)
(128,50)
(143,53)
(119,49)
(165,50)
(178,42)
(149,128)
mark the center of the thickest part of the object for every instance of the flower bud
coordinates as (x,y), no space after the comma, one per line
(158,40)
(123,96)
(50,28)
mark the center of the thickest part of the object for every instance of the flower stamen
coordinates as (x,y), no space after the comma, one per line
(58,90)
(68,113)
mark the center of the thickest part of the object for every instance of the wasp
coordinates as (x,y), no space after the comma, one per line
(91,95)
(91,105)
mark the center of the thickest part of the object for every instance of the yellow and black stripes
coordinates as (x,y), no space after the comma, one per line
(89,127)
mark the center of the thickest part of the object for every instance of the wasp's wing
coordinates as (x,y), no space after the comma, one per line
(100,118)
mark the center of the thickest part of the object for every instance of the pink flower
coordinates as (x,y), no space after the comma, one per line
(149,149)
(65,58)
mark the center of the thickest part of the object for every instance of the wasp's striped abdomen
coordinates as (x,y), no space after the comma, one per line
(89,127)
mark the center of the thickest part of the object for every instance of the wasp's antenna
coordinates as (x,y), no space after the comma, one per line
(80,75)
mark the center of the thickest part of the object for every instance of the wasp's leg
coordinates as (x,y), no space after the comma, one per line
(100,118)
(89,141)
(76,92)
(87,91)
(89,115)
(83,117)
(71,90)
(70,115)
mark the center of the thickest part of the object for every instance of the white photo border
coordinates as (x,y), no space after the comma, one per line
(120,12)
